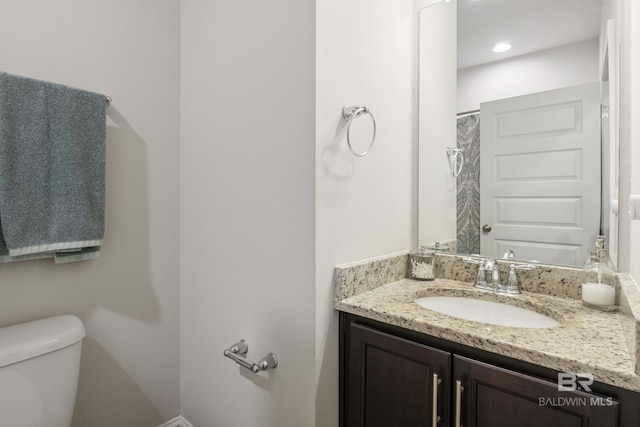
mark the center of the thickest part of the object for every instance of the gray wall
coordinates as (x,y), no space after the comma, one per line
(128,296)
(247,210)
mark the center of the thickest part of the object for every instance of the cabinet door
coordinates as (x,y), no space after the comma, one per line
(395,382)
(495,397)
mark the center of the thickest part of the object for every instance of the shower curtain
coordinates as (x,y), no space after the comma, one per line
(468,185)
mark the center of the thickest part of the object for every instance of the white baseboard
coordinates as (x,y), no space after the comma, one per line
(178,421)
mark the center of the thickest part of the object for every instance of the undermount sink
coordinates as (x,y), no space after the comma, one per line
(490,312)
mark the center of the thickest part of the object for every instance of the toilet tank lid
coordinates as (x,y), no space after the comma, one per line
(31,339)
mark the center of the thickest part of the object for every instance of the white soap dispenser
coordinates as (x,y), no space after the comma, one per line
(598,288)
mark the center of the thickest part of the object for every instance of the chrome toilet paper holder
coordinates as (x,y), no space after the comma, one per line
(237,351)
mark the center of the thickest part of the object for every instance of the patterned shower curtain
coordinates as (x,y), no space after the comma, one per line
(468,186)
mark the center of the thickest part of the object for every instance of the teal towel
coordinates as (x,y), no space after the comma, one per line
(52,170)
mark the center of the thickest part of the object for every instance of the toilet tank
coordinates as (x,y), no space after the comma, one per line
(39,366)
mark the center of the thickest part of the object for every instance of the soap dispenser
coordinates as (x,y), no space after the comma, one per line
(598,289)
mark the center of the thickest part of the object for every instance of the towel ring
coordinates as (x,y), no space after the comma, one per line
(452,154)
(349,113)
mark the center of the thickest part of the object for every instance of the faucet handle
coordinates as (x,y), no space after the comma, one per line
(517,266)
(481,278)
(473,260)
(511,287)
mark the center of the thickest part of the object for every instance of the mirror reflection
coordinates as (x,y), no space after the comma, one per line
(517,128)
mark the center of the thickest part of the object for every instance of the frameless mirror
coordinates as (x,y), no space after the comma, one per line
(517,143)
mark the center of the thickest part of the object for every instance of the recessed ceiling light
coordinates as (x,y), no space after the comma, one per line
(502,47)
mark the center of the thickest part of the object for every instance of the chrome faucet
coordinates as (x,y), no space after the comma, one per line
(489,269)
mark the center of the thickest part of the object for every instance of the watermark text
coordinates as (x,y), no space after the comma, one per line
(576,401)
(569,381)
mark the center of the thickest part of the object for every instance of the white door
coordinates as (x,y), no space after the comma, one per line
(540,175)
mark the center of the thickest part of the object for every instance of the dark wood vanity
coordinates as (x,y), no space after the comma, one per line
(395,377)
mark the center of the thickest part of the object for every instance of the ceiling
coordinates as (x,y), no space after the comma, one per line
(530,25)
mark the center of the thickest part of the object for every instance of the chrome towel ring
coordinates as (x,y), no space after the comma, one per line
(349,113)
(452,154)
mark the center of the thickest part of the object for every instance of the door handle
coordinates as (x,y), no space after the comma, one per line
(486,228)
(458,409)
(435,419)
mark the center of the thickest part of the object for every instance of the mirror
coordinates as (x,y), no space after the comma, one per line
(517,149)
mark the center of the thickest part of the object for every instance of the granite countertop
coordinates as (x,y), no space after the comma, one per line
(588,341)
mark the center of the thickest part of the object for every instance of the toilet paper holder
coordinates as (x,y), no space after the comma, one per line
(237,351)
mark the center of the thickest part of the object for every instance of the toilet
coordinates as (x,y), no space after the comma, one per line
(39,366)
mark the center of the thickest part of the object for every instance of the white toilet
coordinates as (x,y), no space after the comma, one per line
(39,365)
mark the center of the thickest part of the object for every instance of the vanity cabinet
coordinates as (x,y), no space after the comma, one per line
(395,377)
(395,382)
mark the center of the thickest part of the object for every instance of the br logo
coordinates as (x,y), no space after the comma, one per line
(569,381)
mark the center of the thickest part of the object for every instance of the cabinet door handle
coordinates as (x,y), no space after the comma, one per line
(459,390)
(435,419)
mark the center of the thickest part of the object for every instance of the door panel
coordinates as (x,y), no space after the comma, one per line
(540,176)
(531,167)
(391,381)
(532,120)
(565,254)
(494,396)
(564,211)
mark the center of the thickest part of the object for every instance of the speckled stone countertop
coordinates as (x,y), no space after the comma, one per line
(603,344)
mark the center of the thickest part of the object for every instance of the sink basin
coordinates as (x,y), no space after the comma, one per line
(493,313)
